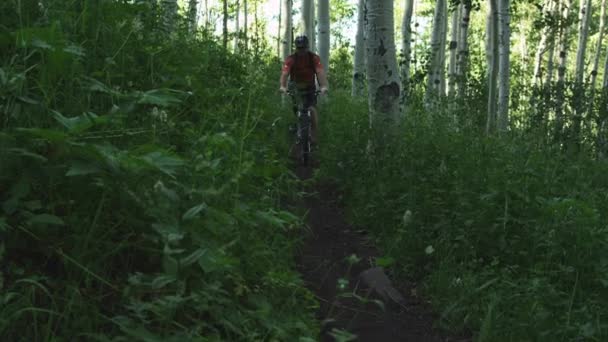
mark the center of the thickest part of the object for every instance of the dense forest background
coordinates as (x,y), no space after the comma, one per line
(146,191)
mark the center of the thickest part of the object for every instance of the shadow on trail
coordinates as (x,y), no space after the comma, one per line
(348,307)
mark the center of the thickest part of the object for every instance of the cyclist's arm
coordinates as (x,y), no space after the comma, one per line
(320,71)
(285,72)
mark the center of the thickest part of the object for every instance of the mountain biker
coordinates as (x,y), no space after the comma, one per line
(302,67)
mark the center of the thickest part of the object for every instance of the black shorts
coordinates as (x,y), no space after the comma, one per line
(308,96)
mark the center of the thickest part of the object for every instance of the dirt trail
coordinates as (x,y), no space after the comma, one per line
(324,265)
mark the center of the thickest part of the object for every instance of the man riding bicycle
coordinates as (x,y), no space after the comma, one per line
(302,67)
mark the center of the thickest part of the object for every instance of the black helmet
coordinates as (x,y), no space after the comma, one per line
(301,42)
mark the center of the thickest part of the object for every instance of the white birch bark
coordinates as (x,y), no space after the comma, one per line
(434,76)
(492,59)
(463,48)
(286,25)
(406,43)
(382,72)
(598,48)
(453,46)
(504,64)
(584,14)
(359,60)
(324,38)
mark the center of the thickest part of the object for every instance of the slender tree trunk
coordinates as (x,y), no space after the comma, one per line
(542,47)
(602,134)
(492,57)
(192,10)
(584,14)
(579,90)
(324,38)
(442,50)
(598,48)
(245,25)
(237,27)
(225,30)
(359,59)
(435,72)
(313,31)
(463,48)
(305,19)
(504,74)
(382,74)
(279,40)
(551,47)
(286,25)
(406,45)
(453,46)
(561,69)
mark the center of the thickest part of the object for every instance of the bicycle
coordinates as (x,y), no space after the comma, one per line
(303,127)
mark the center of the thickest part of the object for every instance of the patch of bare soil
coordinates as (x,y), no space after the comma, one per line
(355,297)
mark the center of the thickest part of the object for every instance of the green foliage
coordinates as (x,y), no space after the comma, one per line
(142,184)
(508,234)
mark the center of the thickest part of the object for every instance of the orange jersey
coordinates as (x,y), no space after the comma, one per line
(303,68)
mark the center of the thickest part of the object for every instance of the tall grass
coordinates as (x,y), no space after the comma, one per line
(142,183)
(508,234)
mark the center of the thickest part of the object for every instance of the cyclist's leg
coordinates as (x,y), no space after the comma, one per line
(311,102)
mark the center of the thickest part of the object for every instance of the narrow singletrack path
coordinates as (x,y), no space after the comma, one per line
(325,266)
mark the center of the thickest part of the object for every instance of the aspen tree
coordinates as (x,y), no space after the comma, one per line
(504,64)
(225,26)
(584,15)
(435,72)
(305,20)
(561,69)
(286,25)
(382,74)
(463,47)
(492,58)
(453,46)
(245,25)
(313,33)
(406,43)
(324,38)
(359,59)
(598,48)
(442,50)
(551,48)
(237,27)
(542,47)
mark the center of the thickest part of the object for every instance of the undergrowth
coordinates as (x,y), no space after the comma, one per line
(508,234)
(142,183)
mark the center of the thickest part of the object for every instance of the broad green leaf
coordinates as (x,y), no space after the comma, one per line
(81,168)
(46,219)
(166,163)
(159,97)
(26,153)
(193,257)
(47,134)
(194,211)
(76,124)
